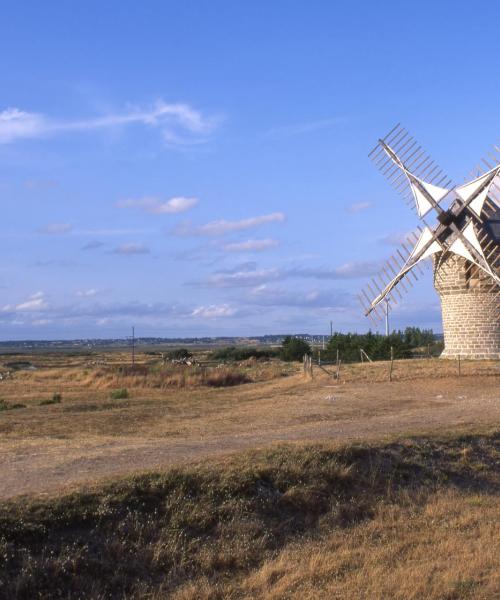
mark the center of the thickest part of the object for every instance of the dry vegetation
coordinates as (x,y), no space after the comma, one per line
(410,519)
(79,422)
(399,518)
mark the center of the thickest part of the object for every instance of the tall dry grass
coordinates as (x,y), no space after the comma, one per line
(181,376)
(444,547)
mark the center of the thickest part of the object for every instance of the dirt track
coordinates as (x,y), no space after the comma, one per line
(250,416)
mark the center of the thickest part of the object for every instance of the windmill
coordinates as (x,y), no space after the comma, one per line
(462,244)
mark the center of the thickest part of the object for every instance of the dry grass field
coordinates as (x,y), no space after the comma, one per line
(175,414)
(260,482)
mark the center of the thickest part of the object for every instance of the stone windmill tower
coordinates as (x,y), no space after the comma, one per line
(463,245)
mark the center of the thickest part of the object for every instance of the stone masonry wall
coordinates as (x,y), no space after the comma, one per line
(471,313)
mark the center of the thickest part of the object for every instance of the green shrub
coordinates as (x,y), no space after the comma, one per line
(179,354)
(237,354)
(119,394)
(56,399)
(8,406)
(294,348)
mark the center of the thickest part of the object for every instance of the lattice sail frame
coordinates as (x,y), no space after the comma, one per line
(461,229)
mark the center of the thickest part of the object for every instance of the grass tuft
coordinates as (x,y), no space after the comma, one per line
(10,406)
(226,377)
(120,394)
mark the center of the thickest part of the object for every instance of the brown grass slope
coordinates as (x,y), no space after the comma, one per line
(408,519)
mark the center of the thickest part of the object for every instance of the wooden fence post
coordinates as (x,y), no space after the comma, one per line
(392,363)
(364,356)
(338,369)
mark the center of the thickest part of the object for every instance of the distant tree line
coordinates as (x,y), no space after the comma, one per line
(378,346)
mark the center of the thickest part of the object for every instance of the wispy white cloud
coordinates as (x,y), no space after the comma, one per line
(243,278)
(157,206)
(214,311)
(223,227)
(56,228)
(36,302)
(112,232)
(358,207)
(252,276)
(131,249)
(180,124)
(266,295)
(251,245)
(87,293)
(36,307)
(93,245)
(349,270)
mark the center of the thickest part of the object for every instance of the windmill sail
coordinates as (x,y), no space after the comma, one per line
(399,155)
(422,191)
(470,249)
(425,247)
(465,228)
(475,192)
(426,195)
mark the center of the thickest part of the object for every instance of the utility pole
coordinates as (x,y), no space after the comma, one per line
(133,345)
(331,328)
(387,317)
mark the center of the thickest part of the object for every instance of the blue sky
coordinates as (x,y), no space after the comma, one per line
(200,168)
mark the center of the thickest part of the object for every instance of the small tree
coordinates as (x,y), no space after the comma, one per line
(179,354)
(294,348)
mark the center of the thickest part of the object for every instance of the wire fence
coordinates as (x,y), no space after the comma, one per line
(392,369)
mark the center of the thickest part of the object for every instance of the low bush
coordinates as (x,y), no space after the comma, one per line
(293,349)
(119,394)
(233,353)
(179,354)
(56,399)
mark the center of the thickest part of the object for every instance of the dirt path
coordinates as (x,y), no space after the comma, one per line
(261,414)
